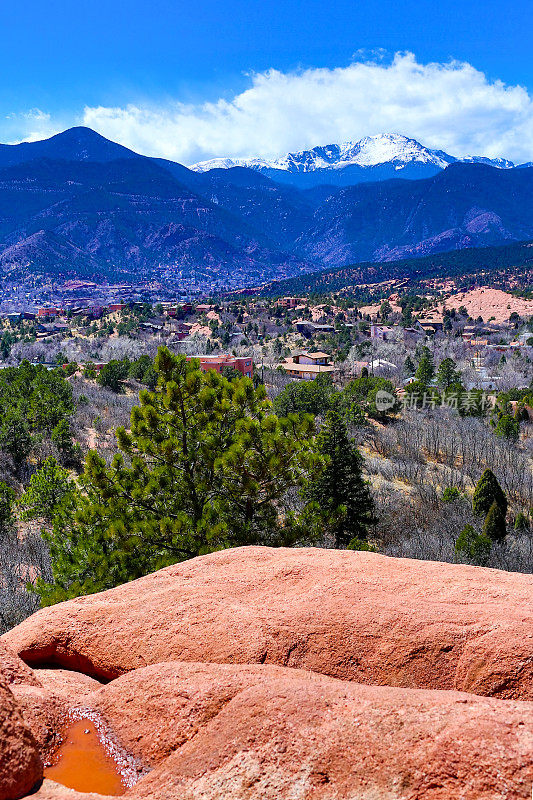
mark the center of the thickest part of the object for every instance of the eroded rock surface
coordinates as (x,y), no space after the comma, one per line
(20,762)
(350,615)
(254,732)
(259,674)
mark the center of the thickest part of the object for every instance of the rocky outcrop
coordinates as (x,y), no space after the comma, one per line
(351,615)
(256,731)
(14,670)
(261,674)
(20,762)
(46,706)
(259,732)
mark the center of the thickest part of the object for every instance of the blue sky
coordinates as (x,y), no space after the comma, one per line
(145,73)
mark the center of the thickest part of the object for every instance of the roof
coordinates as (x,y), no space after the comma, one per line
(318,354)
(289,364)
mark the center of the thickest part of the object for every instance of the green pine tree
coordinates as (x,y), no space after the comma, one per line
(447,373)
(205,465)
(488,491)
(409,367)
(426,368)
(46,491)
(508,428)
(494,527)
(340,491)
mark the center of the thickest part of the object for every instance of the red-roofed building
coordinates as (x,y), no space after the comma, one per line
(51,311)
(244,365)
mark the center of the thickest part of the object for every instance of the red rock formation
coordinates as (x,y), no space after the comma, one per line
(283,715)
(20,763)
(46,706)
(13,669)
(239,732)
(351,615)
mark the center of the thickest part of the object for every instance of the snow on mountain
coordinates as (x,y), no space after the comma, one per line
(372,151)
(501,163)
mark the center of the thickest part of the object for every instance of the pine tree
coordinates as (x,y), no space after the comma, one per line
(494,527)
(488,491)
(204,465)
(408,367)
(426,367)
(447,373)
(340,491)
(508,428)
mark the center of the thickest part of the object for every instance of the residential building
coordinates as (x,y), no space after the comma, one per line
(289,302)
(218,363)
(383,333)
(306,366)
(308,328)
(51,311)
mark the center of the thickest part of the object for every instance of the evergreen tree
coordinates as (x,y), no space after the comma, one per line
(385,310)
(521,522)
(494,527)
(340,492)
(447,373)
(409,367)
(488,491)
(205,465)
(472,545)
(113,374)
(307,397)
(46,491)
(508,427)
(426,368)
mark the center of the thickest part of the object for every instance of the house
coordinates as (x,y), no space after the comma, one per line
(179,328)
(219,363)
(432,324)
(289,302)
(413,334)
(308,328)
(96,312)
(179,310)
(381,365)
(49,312)
(45,330)
(383,333)
(306,366)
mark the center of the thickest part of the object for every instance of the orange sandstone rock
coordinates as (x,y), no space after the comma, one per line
(260,732)
(351,615)
(20,763)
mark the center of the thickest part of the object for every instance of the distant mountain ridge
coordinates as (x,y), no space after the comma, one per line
(78,204)
(74,144)
(469,266)
(372,158)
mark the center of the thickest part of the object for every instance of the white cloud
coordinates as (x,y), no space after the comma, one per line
(451,106)
(30,126)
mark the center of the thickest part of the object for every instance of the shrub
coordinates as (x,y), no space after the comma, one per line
(472,545)
(488,491)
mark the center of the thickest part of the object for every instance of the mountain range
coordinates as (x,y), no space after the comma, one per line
(374,158)
(79,204)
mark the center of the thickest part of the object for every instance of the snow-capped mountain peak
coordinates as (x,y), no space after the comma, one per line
(373,157)
(368,152)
